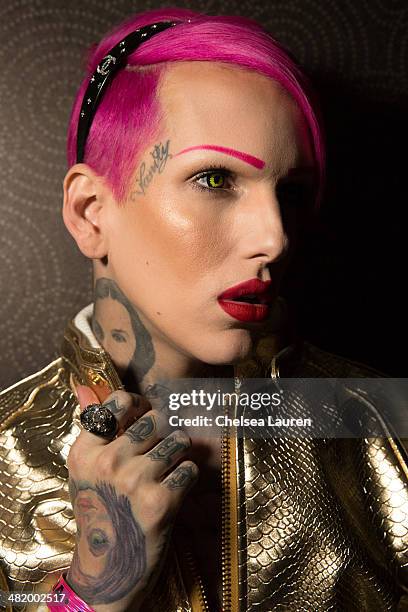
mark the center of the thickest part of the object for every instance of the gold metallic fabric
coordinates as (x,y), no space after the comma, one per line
(322,525)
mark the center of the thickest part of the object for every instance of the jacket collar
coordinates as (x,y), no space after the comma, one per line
(91,365)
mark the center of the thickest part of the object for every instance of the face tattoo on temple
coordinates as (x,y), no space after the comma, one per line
(160,154)
(109,536)
(135,341)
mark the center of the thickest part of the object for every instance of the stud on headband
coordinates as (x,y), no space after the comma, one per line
(106,69)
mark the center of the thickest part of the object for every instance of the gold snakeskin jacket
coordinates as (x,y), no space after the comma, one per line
(308,525)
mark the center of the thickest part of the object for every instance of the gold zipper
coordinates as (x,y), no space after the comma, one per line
(198,597)
(229,535)
(225,519)
(229,526)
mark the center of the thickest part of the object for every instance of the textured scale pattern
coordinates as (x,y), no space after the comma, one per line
(302,553)
(323,524)
(40,421)
(326,520)
(358,45)
(37,526)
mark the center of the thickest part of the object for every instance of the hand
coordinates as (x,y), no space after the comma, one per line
(125,494)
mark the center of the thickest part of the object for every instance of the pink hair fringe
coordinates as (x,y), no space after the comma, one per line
(129,113)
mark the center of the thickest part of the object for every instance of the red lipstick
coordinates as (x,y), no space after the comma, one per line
(249,301)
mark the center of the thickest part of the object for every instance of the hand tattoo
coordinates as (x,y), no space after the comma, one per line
(158,394)
(182,477)
(109,533)
(115,407)
(166,449)
(141,430)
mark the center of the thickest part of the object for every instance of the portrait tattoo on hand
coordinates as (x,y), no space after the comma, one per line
(110,553)
(160,154)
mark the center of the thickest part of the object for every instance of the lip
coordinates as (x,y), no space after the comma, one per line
(244,311)
(85,505)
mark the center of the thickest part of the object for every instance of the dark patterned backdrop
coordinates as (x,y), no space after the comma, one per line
(350,283)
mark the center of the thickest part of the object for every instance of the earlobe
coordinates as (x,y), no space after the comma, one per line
(83,210)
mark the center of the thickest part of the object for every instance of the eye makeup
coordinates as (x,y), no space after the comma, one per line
(213,179)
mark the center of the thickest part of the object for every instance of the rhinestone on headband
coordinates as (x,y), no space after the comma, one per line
(106,69)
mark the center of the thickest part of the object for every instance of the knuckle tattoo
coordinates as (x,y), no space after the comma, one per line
(142,430)
(116,406)
(182,477)
(169,447)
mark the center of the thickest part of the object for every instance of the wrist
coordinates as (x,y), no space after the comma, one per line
(69,600)
(66,600)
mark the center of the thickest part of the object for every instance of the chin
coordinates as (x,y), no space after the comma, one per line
(227,347)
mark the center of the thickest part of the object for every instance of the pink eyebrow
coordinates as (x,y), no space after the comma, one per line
(245,157)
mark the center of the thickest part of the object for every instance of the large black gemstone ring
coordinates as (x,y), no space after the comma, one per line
(99,420)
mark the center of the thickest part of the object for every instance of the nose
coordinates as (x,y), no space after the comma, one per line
(265,235)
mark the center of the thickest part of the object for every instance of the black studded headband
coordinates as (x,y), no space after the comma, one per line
(106,69)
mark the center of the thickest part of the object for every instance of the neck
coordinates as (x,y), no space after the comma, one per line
(143,359)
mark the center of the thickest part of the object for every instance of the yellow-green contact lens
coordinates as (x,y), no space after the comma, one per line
(216,180)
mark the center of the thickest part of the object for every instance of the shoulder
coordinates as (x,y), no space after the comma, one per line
(38,424)
(309,361)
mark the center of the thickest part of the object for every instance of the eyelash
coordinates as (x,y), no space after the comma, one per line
(292,192)
(210,171)
(118,337)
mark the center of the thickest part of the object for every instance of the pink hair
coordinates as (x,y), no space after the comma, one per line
(129,113)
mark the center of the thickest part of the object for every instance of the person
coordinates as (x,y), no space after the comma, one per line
(194,149)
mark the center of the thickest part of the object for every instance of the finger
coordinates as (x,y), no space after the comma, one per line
(86,396)
(125,407)
(166,454)
(142,435)
(182,478)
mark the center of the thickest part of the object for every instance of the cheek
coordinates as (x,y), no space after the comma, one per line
(128,350)
(173,241)
(203,248)
(123,351)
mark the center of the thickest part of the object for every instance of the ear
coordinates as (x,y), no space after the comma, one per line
(86,197)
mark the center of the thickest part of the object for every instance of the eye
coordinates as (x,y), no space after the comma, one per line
(98,542)
(217,179)
(118,336)
(212,179)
